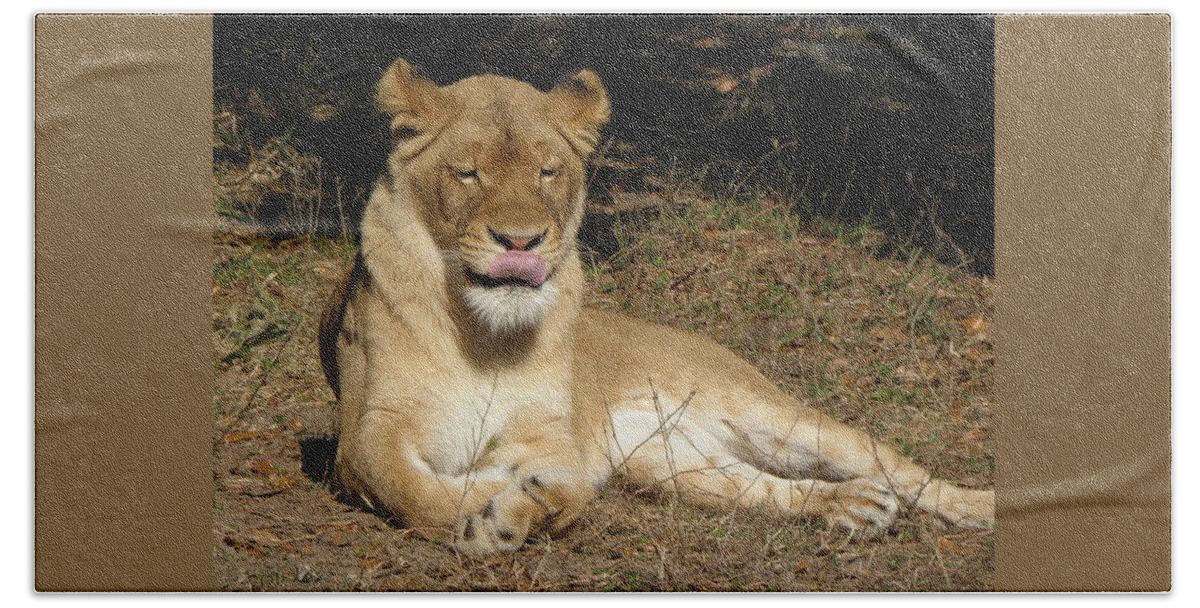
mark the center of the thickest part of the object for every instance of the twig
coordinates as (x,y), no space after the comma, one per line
(690,274)
(537,570)
(937,552)
(662,566)
(228,421)
(917,363)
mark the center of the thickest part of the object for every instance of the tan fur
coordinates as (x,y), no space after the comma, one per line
(453,417)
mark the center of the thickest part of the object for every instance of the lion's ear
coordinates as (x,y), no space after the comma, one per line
(581,108)
(418,107)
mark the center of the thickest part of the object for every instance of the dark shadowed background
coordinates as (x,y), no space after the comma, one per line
(885,119)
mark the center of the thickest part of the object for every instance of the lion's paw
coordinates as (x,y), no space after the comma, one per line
(969,509)
(864,507)
(483,534)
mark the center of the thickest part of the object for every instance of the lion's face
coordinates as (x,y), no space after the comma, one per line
(496,169)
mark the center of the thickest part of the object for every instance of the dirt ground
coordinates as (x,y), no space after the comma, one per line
(898,347)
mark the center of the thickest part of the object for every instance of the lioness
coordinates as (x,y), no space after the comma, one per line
(476,394)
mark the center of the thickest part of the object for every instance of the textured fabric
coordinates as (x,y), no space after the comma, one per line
(123,416)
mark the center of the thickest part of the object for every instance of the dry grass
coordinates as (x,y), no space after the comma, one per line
(896,347)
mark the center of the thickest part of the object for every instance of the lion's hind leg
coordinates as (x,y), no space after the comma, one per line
(957,506)
(807,444)
(696,465)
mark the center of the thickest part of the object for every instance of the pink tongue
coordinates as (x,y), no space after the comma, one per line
(525,265)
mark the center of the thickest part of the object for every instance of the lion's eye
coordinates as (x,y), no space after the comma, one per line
(466,176)
(548,173)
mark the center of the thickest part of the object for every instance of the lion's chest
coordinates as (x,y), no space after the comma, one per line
(467,424)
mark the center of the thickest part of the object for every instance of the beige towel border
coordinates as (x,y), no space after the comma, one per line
(123,288)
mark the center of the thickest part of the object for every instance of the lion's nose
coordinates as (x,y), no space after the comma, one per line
(513,242)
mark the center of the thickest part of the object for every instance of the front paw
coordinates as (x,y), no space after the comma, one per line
(483,534)
(864,507)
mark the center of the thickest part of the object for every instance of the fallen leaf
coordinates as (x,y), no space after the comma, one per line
(974,324)
(265,537)
(949,546)
(339,523)
(235,437)
(243,545)
(250,487)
